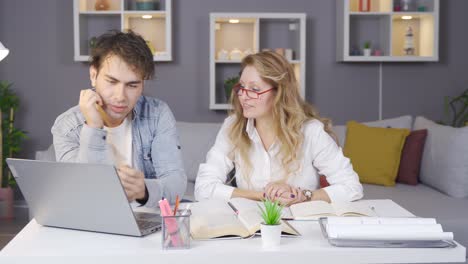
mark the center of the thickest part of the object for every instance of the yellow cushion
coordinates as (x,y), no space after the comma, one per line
(375,152)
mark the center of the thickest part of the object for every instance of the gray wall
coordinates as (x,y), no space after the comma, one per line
(40,37)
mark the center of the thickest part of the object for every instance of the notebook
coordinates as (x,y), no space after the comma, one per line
(80,196)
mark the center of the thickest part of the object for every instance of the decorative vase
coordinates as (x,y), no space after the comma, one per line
(271,236)
(236,54)
(102,5)
(223,54)
(367,52)
(6,203)
(146,5)
(364,5)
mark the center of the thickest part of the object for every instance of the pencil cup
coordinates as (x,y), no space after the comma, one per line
(176,230)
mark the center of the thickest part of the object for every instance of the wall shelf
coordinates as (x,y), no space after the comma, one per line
(122,15)
(386,29)
(252,32)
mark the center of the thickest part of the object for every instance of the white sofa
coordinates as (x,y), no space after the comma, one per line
(422,200)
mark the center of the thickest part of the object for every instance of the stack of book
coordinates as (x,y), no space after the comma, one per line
(385,232)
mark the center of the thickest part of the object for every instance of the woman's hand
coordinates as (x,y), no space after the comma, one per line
(284,193)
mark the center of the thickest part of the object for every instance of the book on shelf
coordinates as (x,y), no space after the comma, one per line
(313,210)
(216,219)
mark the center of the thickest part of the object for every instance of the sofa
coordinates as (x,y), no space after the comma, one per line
(424,199)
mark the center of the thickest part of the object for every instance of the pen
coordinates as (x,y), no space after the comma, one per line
(233,208)
(101,111)
(176,206)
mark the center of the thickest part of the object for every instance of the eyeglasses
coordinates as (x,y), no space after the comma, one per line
(239,89)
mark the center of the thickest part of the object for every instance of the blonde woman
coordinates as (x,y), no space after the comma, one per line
(276,142)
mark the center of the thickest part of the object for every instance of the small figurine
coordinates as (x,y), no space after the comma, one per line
(408,46)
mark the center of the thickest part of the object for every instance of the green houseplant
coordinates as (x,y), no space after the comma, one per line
(367,48)
(228,84)
(271,226)
(10,141)
(458,106)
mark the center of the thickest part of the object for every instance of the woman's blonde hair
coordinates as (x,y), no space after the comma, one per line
(290,111)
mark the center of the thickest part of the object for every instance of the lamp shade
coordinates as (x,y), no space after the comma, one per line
(3,51)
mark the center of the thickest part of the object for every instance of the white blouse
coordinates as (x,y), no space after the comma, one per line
(320,155)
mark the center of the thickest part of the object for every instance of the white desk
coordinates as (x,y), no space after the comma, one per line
(37,240)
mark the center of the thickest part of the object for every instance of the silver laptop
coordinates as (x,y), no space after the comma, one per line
(80,196)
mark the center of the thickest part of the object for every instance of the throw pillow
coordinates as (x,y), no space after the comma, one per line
(411,155)
(397,122)
(375,152)
(444,163)
(323,182)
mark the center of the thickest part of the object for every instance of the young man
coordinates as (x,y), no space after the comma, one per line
(115,124)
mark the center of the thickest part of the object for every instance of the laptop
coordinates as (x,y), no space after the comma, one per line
(80,196)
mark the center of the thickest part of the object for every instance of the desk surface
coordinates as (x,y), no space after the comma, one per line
(37,240)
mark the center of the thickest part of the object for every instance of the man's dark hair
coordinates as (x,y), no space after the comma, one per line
(130,47)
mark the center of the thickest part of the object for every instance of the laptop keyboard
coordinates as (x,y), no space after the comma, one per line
(142,224)
(146,216)
(147,220)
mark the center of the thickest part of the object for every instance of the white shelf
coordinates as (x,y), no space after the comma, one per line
(90,23)
(386,30)
(387,59)
(252,33)
(101,13)
(228,61)
(216,106)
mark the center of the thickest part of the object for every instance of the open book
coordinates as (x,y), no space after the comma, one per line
(216,219)
(313,210)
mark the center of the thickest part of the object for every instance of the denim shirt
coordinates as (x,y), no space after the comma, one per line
(156,148)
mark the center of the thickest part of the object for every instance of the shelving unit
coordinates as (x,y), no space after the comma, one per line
(154,26)
(385,26)
(252,32)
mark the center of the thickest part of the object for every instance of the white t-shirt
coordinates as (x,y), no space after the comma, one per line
(119,140)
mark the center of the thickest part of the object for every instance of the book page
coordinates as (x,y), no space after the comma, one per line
(249,213)
(311,210)
(214,218)
(352,209)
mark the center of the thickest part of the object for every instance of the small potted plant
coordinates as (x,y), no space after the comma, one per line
(271,226)
(367,48)
(228,84)
(458,106)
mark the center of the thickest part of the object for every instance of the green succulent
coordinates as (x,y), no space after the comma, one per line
(271,212)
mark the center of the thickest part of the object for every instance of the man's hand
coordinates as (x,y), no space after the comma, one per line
(133,182)
(89,101)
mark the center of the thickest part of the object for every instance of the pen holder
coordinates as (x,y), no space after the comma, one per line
(176,230)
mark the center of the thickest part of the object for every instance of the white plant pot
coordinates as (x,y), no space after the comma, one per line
(271,236)
(367,52)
